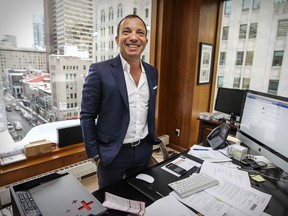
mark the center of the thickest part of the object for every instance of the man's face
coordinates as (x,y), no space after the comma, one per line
(132,39)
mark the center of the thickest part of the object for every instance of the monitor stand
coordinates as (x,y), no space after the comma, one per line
(233,118)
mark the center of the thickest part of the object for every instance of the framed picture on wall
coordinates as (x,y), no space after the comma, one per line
(205,63)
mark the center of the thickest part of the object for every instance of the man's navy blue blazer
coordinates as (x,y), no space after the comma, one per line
(105,108)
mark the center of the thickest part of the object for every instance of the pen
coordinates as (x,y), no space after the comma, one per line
(155,191)
(200,149)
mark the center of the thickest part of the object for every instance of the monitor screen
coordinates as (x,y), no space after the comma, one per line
(263,126)
(229,101)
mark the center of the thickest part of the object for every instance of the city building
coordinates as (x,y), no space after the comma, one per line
(22,59)
(67,77)
(38,32)
(108,15)
(68,22)
(254,46)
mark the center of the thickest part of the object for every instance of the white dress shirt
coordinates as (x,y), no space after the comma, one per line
(138,97)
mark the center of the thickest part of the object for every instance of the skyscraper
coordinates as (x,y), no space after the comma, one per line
(68,22)
(38,32)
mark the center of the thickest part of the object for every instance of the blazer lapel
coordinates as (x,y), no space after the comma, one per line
(118,74)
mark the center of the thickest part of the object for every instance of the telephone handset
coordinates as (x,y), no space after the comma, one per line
(217,137)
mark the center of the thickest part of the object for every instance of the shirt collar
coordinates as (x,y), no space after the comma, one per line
(126,66)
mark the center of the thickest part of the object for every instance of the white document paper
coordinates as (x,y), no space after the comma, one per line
(122,204)
(182,162)
(168,206)
(208,154)
(248,200)
(204,203)
(220,172)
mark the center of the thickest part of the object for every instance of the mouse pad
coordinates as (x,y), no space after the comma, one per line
(65,196)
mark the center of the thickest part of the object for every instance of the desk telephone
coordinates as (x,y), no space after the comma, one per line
(217,137)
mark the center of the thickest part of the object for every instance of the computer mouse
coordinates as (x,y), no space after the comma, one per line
(145,177)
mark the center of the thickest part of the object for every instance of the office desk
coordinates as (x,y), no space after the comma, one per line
(277,205)
(36,165)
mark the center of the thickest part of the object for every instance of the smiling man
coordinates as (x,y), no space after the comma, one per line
(118,107)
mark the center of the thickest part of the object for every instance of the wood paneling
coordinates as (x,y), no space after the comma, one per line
(181,26)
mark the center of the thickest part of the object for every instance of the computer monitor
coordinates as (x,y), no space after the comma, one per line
(230,101)
(263,126)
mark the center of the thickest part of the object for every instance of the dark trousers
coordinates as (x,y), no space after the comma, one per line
(129,161)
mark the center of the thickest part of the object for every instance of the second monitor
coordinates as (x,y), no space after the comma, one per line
(230,101)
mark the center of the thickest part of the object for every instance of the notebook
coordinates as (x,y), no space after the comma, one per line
(65,196)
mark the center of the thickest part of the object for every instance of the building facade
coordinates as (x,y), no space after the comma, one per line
(68,22)
(67,79)
(108,15)
(254,46)
(22,59)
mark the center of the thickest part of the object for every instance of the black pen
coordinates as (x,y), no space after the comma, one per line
(155,191)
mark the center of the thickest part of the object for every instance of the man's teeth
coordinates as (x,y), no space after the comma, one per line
(134,46)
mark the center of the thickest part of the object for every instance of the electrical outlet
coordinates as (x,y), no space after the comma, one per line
(177,132)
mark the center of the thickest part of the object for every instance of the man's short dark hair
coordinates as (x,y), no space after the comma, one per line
(130,16)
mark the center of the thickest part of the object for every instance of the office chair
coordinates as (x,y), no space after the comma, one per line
(165,155)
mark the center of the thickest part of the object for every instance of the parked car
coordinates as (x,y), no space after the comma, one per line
(10,127)
(8,108)
(14,135)
(18,125)
(17,108)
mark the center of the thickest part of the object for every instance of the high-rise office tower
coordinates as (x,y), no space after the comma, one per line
(38,32)
(68,22)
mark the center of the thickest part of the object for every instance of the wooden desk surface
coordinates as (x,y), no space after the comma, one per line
(59,157)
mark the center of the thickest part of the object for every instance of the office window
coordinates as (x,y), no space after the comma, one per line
(273,87)
(146,12)
(120,11)
(227,7)
(242,31)
(134,11)
(236,82)
(245,5)
(239,58)
(222,58)
(220,81)
(282,28)
(225,33)
(256,4)
(246,83)
(277,58)
(110,13)
(102,16)
(249,58)
(253,30)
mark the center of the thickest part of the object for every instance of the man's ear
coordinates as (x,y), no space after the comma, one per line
(117,40)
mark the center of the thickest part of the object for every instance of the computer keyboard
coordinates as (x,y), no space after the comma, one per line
(193,184)
(28,205)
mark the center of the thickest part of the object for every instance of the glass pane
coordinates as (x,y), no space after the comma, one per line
(246,83)
(242,32)
(245,5)
(222,58)
(256,4)
(277,59)
(253,30)
(273,86)
(227,9)
(236,82)
(282,28)
(39,97)
(220,81)
(239,60)
(249,58)
(225,33)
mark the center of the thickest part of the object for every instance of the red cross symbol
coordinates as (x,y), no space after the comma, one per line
(85,205)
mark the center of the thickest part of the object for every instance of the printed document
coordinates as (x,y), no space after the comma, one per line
(248,199)
(221,172)
(168,206)
(204,203)
(208,154)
